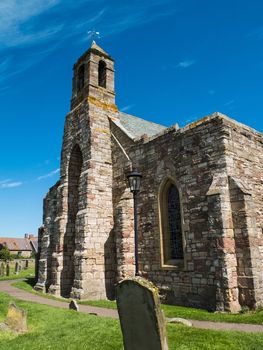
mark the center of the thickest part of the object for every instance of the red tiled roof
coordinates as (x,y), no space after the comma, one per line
(16,243)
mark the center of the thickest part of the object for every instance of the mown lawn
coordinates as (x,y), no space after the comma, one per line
(30,272)
(253,317)
(56,329)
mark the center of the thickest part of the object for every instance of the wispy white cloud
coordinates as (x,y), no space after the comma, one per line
(10,184)
(185,63)
(45,25)
(20,21)
(15,16)
(229,103)
(50,174)
(126,108)
(142,12)
(2,182)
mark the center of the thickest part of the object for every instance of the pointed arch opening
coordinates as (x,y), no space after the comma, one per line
(74,172)
(172,241)
(102,74)
(81,77)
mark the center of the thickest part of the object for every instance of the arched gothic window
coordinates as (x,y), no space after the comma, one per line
(171,221)
(81,75)
(102,74)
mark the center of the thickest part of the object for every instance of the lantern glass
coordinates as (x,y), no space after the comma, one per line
(134,181)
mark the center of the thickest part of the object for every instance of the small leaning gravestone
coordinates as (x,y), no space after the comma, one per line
(19,267)
(16,318)
(142,320)
(16,268)
(73,305)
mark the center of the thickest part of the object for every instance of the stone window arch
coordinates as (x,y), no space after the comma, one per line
(172,240)
(102,74)
(81,77)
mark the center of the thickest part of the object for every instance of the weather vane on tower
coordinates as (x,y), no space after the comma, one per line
(93,34)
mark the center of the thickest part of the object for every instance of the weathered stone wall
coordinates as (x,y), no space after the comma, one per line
(83,263)
(244,149)
(196,158)
(46,236)
(122,203)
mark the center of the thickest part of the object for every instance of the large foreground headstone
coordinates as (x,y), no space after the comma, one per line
(16,318)
(141,318)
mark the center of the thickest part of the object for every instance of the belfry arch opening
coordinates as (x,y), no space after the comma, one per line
(102,74)
(81,77)
(171,224)
(74,172)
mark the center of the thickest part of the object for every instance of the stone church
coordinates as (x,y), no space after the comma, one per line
(200,205)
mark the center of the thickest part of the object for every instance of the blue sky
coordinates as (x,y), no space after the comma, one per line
(176,61)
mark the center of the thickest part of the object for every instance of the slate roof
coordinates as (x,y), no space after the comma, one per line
(138,127)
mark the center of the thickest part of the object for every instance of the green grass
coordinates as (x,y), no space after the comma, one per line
(30,272)
(252,317)
(28,286)
(56,329)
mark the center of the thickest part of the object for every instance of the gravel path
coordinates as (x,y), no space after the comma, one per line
(6,287)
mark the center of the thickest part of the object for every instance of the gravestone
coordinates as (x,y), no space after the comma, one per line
(16,318)
(7,269)
(142,320)
(19,267)
(73,305)
(16,269)
(3,268)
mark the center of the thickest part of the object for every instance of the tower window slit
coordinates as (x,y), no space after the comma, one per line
(102,74)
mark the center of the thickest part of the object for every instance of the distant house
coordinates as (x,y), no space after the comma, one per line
(24,247)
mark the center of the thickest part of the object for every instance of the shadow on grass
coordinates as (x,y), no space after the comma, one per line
(31,281)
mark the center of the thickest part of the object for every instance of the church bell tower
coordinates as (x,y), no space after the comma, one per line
(93,77)
(83,262)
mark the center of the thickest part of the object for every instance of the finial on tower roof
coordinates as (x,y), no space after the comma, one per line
(98,48)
